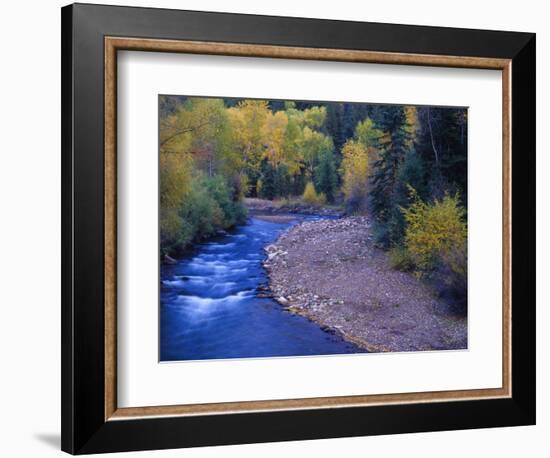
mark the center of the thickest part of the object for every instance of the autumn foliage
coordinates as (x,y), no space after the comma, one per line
(403,166)
(436,240)
(312,197)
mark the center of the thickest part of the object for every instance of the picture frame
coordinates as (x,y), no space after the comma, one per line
(92,35)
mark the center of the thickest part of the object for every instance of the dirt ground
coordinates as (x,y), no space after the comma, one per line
(331,272)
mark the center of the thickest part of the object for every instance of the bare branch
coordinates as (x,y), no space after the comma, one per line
(183,131)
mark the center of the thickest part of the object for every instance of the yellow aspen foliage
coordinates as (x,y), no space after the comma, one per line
(355,169)
(312,197)
(274,135)
(247,120)
(434,230)
(411,123)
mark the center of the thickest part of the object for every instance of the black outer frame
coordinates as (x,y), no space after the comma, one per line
(84,429)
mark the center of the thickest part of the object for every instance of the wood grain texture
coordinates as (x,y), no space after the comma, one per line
(110,231)
(112,45)
(507,228)
(289,52)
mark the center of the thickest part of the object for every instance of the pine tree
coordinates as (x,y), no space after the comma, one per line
(325,176)
(443,147)
(268,190)
(334,125)
(394,146)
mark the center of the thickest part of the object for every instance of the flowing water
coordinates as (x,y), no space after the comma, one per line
(210,307)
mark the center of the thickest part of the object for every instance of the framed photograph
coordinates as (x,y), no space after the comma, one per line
(281,228)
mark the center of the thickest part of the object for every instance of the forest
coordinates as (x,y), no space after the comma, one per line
(404,166)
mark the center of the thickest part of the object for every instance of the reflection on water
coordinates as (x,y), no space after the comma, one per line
(210,310)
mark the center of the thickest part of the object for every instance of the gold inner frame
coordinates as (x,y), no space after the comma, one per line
(114,44)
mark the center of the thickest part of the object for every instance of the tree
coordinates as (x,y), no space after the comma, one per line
(313,145)
(175,173)
(273,133)
(355,173)
(325,176)
(268,185)
(247,121)
(441,142)
(357,155)
(334,125)
(199,171)
(315,117)
(212,142)
(291,143)
(214,152)
(394,145)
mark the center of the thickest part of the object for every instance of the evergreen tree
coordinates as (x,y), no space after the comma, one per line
(268,190)
(394,146)
(443,147)
(281,181)
(325,176)
(334,125)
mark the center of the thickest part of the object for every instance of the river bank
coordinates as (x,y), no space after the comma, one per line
(295,206)
(212,305)
(330,272)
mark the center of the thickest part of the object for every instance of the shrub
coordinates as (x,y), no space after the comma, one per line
(452,270)
(208,206)
(401,259)
(217,189)
(312,197)
(434,231)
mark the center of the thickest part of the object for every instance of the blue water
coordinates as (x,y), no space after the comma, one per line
(209,307)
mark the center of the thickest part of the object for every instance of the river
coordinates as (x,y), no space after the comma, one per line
(210,308)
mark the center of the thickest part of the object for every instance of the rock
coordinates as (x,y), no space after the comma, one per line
(282,300)
(300,271)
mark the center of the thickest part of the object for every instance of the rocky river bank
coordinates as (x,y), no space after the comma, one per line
(266,207)
(330,272)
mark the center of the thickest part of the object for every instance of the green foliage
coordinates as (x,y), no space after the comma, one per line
(367,134)
(313,145)
(394,144)
(314,117)
(215,152)
(268,186)
(325,176)
(410,173)
(218,190)
(312,197)
(206,208)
